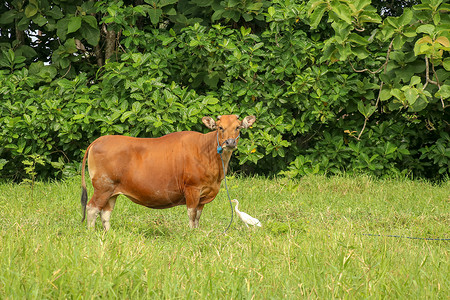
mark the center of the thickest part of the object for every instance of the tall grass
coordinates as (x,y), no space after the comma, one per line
(311,243)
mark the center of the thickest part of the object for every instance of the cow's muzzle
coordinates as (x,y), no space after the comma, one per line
(230,143)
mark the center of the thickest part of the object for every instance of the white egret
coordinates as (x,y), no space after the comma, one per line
(246,218)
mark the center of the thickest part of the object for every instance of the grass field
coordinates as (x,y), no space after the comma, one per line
(311,244)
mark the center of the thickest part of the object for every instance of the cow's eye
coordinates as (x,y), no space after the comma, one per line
(237,128)
(221,128)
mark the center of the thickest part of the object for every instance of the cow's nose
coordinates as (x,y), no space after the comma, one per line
(230,143)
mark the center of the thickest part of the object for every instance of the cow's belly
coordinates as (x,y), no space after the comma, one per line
(161,196)
(153,198)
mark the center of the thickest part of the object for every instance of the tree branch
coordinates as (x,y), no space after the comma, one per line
(362,130)
(428,80)
(427,74)
(380,68)
(383,67)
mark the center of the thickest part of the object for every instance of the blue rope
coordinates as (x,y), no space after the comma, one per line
(407,237)
(229,198)
(219,151)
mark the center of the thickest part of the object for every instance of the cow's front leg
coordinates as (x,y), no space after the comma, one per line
(192,213)
(198,214)
(192,196)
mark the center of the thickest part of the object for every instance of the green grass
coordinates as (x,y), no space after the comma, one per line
(310,245)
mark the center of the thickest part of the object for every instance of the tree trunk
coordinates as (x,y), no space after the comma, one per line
(99,55)
(20,35)
(110,43)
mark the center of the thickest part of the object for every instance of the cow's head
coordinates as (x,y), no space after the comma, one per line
(228,128)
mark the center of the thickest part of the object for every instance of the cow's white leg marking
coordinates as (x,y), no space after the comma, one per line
(106,213)
(197,217)
(106,216)
(92,213)
(192,213)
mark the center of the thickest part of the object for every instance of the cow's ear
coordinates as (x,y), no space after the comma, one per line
(248,121)
(209,122)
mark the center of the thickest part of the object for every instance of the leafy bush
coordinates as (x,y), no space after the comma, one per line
(294,65)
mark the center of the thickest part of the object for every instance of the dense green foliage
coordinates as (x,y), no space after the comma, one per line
(297,66)
(310,245)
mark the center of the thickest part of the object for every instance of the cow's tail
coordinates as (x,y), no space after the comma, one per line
(84,195)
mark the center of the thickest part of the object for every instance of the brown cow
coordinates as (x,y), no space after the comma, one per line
(176,169)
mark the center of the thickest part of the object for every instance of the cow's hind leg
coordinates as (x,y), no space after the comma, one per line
(91,215)
(106,211)
(98,201)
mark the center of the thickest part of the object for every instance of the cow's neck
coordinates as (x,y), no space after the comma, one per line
(212,150)
(226,155)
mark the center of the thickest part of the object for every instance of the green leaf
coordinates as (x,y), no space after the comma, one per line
(393,22)
(70,46)
(3,162)
(389,148)
(171,12)
(125,116)
(136,107)
(406,17)
(255,47)
(23,23)
(194,43)
(369,17)
(163,3)
(30,10)
(40,20)
(398,43)
(317,15)
(427,28)
(35,67)
(91,20)
(437,19)
(342,11)
(446,63)
(8,17)
(245,31)
(444,91)
(361,52)
(55,13)
(74,24)
(415,80)
(157,123)
(409,32)
(211,100)
(411,95)
(419,105)
(366,110)
(26,51)
(356,38)
(90,34)
(254,6)
(217,15)
(444,7)
(61,28)
(422,7)
(155,14)
(342,31)
(397,94)
(78,116)
(385,94)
